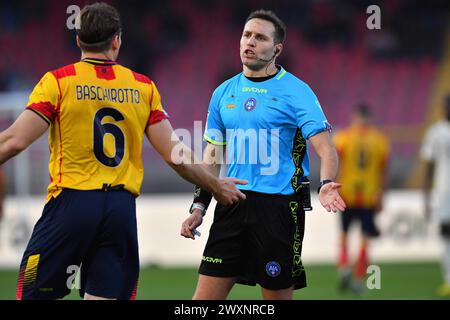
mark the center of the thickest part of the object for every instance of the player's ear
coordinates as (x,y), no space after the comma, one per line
(116,42)
(78,41)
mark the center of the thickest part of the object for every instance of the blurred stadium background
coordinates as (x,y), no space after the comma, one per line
(190,47)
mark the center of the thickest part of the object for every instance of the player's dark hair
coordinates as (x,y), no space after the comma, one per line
(447,107)
(363,110)
(447,101)
(280,27)
(99,23)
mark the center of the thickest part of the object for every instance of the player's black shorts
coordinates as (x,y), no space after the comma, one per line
(365,216)
(258,240)
(445,229)
(94,229)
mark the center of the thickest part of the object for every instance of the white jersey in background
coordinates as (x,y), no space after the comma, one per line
(436,148)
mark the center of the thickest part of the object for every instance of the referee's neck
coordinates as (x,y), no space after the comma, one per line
(267,70)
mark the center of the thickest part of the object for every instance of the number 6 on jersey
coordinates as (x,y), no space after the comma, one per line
(100,130)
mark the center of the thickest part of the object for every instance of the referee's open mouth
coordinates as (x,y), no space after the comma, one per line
(249,53)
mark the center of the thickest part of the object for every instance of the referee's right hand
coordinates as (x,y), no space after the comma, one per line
(226,192)
(194,220)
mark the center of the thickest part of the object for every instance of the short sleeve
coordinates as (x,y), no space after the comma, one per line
(310,117)
(44,98)
(429,150)
(157,112)
(215,132)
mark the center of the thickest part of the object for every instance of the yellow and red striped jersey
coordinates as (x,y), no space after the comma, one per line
(98,112)
(363,154)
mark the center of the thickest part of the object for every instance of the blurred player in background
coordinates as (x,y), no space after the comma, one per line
(2,192)
(259,240)
(363,153)
(98,112)
(436,152)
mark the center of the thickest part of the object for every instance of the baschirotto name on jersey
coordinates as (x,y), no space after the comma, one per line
(120,95)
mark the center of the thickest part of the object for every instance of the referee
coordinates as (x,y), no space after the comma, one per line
(262,118)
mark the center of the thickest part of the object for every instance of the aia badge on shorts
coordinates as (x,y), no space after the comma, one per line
(273,269)
(250,104)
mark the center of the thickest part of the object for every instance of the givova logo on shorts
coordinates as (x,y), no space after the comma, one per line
(211,259)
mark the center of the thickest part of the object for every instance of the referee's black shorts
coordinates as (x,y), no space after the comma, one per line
(258,240)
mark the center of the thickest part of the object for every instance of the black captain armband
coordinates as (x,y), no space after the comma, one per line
(202,196)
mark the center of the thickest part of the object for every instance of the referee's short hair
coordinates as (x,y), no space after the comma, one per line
(98,24)
(280,27)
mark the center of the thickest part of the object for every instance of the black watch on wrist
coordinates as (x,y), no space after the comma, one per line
(323,182)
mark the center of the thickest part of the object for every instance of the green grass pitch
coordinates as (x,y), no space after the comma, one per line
(398,281)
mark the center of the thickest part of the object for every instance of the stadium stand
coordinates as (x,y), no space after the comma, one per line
(189,47)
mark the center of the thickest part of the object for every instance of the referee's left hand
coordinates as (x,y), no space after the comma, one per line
(330,198)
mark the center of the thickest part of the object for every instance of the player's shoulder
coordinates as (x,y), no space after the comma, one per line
(380,137)
(139,77)
(436,129)
(341,133)
(377,132)
(440,126)
(64,71)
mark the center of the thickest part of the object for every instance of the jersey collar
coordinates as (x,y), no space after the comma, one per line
(96,61)
(281,72)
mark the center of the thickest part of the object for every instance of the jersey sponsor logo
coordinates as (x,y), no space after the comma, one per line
(212,260)
(250,104)
(230,106)
(253,89)
(273,269)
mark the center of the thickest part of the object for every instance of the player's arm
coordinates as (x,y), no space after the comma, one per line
(181,158)
(212,159)
(427,185)
(429,153)
(329,196)
(24,131)
(2,191)
(384,177)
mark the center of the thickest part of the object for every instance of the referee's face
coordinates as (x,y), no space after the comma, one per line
(257,47)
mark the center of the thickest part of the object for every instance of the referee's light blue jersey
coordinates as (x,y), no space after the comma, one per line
(264,126)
